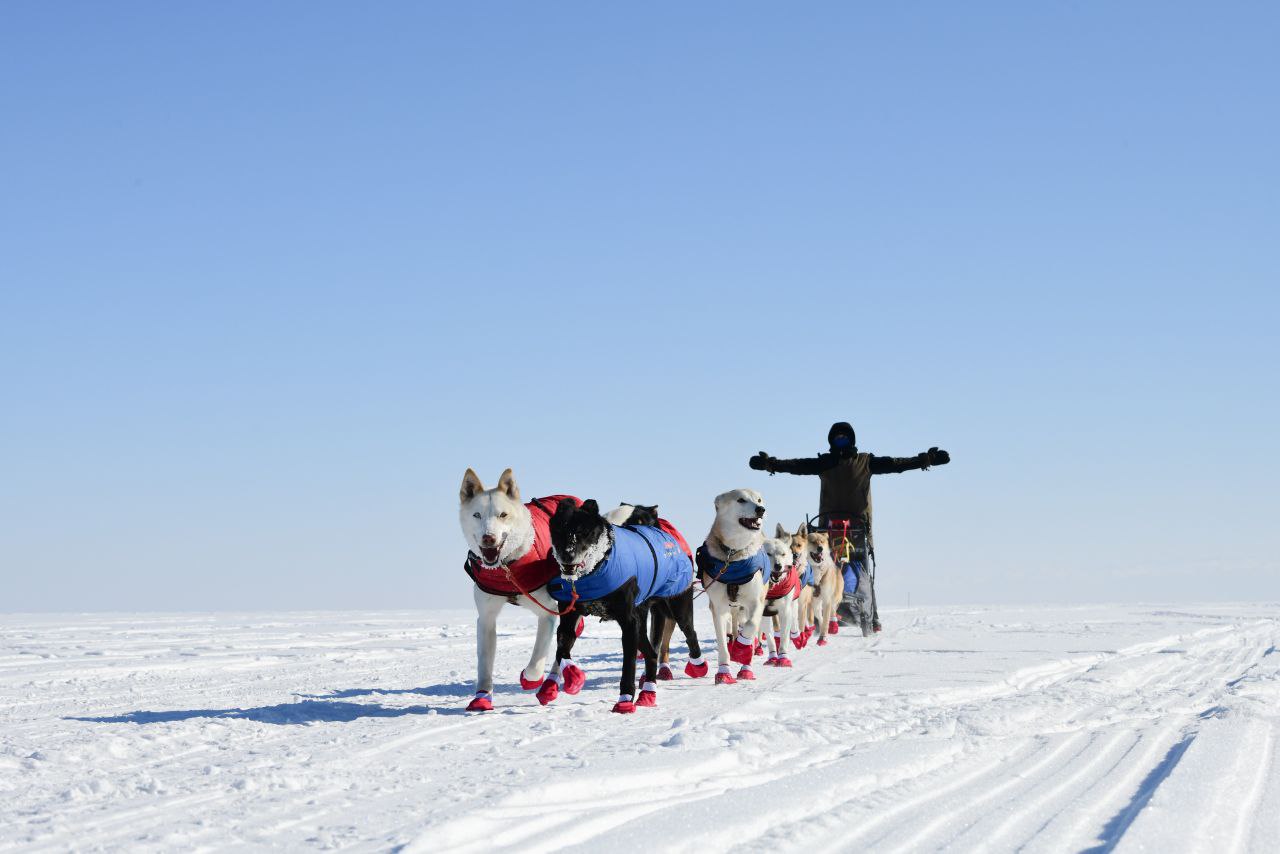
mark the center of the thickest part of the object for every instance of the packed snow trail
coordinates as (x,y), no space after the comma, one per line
(1048,729)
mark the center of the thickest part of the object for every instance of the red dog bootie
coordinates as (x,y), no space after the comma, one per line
(740,650)
(577,630)
(771,661)
(833,628)
(549,691)
(822,641)
(573,677)
(482,703)
(784,662)
(759,648)
(529,684)
(723,676)
(745,673)
(624,706)
(664,673)
(648,694)
(695,668)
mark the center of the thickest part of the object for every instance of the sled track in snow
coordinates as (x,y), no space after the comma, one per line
(986,729)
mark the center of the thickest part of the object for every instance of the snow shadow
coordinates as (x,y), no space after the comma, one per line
(453,689)
(1115,828)
(304,712)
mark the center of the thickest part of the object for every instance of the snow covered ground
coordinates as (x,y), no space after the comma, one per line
(1049,729)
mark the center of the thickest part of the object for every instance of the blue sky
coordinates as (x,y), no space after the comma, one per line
(273,275)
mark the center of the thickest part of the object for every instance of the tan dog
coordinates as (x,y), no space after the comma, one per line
(830,584)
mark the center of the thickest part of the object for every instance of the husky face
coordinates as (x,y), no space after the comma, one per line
(739,518)
(497,526)
(819,549)
(580,538)
(779,551)
(800,544)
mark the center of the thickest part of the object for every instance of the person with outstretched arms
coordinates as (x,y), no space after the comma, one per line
(844,504)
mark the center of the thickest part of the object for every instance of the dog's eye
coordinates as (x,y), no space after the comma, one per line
(477,515)
(742,501)
(502,515)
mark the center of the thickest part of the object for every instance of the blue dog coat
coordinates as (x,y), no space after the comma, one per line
(653,556)
(852,573)
(738,571)
(806,577)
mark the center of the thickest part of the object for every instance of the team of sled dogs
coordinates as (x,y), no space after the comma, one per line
(564,560)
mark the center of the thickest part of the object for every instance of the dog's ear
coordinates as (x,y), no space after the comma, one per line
(781,532)
(590,506)
(803,530)
(564,510)
(507,485)
(720,500)
(471,486)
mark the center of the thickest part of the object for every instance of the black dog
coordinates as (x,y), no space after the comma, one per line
(583,542)
(643,514)
(661,626)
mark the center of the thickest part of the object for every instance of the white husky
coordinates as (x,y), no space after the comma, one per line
(509,556)
(736,599)
(785,610)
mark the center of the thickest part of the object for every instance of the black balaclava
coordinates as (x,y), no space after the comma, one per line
(842,428)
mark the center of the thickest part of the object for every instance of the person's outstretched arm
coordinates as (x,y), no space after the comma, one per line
(896,465)
(803,465)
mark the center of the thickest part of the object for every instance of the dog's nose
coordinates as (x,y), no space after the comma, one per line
(488,540)
(759,511)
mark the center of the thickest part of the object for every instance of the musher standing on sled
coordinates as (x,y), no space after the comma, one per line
(845,505)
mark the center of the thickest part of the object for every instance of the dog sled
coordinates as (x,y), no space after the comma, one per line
(854,553)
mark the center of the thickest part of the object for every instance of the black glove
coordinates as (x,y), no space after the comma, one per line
(761,462)
(938,457)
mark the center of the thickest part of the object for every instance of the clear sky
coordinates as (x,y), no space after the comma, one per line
(272,275)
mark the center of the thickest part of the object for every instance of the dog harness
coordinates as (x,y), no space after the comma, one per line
(736,572)
(656,557)
(806,577)
(534,568)
(788,585)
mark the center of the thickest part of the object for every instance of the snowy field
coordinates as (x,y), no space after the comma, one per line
(1044,729)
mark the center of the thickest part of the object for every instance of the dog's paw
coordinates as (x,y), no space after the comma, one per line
(740,652)
(695,671)
(771,661)
(725,679)
(822,641)
(548,692)
(784,662)
(648,695)
(573,678)
(481,703)
(529,684)
(759,648)
(665,674)
(833,628)
(577,629)
(746,674)
(624,707)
